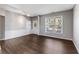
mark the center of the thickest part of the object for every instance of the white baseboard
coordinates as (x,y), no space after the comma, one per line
(2,39)
(15,33)
(18,33)
(57,37)
(76,46)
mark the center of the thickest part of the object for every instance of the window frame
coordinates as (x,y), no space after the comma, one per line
(53,31)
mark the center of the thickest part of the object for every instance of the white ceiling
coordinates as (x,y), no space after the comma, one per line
(40,9)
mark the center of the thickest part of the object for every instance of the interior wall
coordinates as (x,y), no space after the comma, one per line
(2,27)
(16,25)
(2,12)
(67,25)
(14,29)
(76,26)
(14,21)
(35,29)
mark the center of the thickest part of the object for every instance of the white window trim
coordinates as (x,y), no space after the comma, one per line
(52,31)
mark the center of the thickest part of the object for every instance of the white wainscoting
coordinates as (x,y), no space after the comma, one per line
(15,33)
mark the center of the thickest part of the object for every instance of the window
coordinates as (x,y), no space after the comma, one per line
(54,25)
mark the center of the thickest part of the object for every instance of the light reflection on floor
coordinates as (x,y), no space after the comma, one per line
(53,46)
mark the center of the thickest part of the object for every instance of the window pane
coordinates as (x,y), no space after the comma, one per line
(54,24)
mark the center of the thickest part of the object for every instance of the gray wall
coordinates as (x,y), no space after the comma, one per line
(35,30)
(12,24)
(16,25)
(2,27)
(14,21)
(67,25)
(2,12)
(76,27)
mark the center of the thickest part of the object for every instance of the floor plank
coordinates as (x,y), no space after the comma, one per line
(34,44)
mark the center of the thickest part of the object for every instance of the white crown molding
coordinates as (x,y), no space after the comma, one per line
(35,10)
(7,7)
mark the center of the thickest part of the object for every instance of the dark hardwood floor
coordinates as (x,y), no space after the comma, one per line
(34,44)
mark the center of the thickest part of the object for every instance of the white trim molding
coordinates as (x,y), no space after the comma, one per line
(15,33)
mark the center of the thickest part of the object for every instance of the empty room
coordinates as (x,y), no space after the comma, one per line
(39,28)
